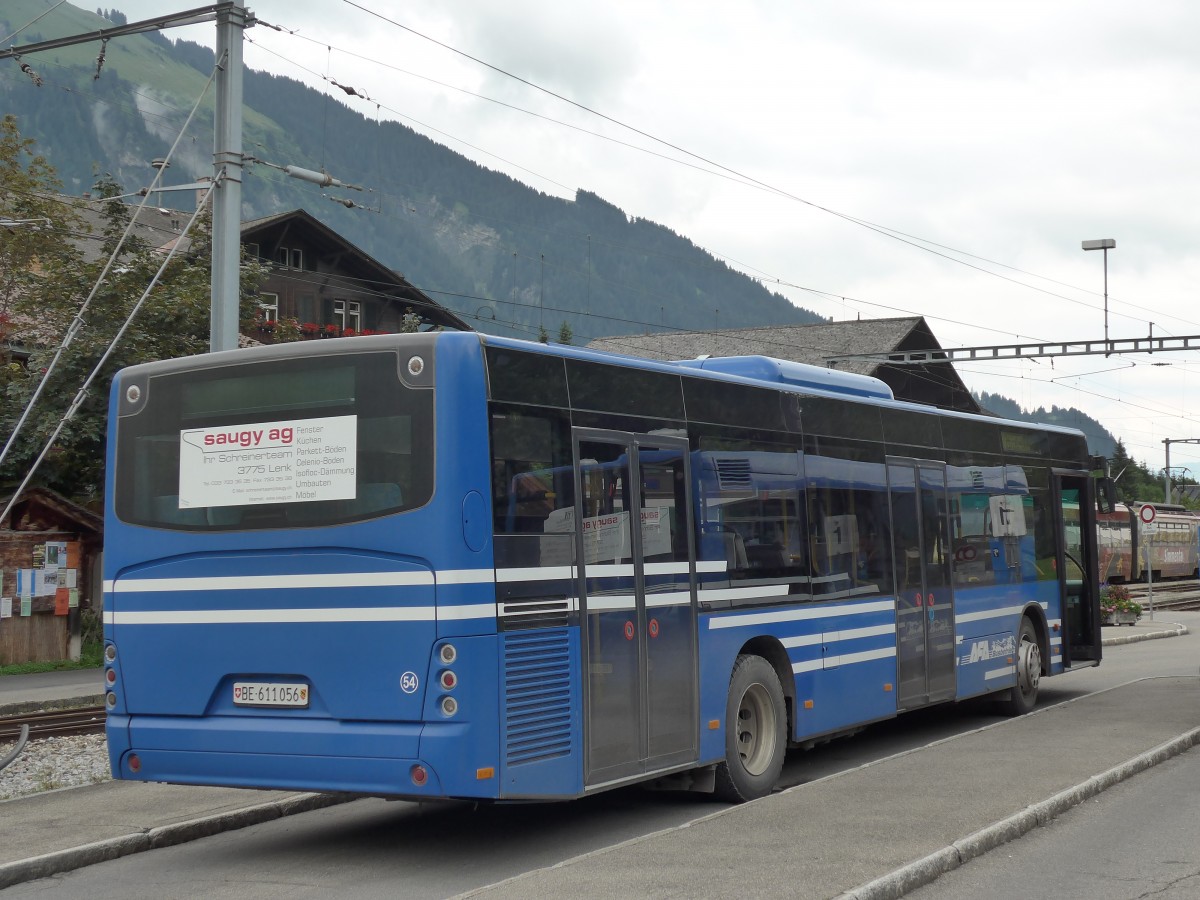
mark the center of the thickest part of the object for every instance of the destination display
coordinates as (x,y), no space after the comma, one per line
(294,461)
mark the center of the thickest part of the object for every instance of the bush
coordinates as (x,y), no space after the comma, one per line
(1114,598)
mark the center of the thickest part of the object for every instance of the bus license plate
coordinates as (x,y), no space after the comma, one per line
(269,693)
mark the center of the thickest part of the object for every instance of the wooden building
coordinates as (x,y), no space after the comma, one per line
(331,287)
(50,567)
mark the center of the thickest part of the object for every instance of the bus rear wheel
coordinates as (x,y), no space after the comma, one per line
(1023,696)
(755,732)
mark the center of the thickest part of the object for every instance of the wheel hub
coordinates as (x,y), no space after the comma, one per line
(1029,666)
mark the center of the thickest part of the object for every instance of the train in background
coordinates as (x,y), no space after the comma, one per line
(1174,548)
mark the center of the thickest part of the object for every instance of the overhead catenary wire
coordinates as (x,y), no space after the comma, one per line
(727,172)
(78,321)
(81,395)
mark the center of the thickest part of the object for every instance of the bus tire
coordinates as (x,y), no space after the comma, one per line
(1023,696)
(755,732)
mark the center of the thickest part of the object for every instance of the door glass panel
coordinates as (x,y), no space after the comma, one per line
(669,619)
(939,599)
(908,554)
(614,689)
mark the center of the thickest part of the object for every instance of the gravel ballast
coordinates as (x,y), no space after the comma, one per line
(50,763)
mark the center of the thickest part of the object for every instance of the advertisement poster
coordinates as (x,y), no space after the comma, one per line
(290,461)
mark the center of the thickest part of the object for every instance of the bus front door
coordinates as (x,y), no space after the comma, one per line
(1075,524)
(637,604)
(924,596)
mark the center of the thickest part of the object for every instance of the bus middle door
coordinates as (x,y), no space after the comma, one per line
(637,604)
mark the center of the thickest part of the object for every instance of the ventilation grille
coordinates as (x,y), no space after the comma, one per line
(535,612)
(537,696)
(733,474)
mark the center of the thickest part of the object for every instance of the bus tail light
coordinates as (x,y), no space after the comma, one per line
(447,654)
(110,700)
(419,775)
(135,763)
(110,677)
(449,706)
(449,680)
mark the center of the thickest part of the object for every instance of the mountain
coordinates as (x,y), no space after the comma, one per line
(501,254)
(1100,440)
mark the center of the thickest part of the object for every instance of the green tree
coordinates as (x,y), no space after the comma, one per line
(1134,481)
(35,222)
(172,322)
(565,334)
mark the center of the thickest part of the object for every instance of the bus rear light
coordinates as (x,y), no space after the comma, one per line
(449,706)
(110,676)
(135,763)
(419,775)
(110,700)
(449,680)
(110,653)
(447,654)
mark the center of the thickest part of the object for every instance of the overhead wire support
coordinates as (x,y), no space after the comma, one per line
(1149,344)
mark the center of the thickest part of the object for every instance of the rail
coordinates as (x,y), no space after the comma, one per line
(85,720)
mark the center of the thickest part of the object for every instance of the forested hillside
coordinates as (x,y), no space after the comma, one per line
(502,254)
(1100,439)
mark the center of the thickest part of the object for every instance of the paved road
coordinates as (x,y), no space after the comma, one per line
(1139,839)
(605,844)
(630,843)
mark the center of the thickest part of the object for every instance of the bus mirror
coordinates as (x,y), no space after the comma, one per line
(1106,488)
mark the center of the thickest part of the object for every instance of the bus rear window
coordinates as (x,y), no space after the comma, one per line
(276,444)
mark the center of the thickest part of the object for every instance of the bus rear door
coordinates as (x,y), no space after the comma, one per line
(924,595)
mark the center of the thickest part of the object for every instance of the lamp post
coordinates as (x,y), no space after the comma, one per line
(1167,442)
(1104,244)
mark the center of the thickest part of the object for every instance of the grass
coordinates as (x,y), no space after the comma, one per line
(89,658)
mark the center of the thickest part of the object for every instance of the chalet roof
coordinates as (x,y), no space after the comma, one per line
(41,509)
(811,344)
(936,384)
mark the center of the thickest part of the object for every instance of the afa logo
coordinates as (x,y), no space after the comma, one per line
(983,650)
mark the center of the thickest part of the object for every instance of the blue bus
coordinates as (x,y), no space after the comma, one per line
(450,565)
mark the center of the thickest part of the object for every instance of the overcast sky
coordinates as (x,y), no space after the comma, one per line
(1005,133)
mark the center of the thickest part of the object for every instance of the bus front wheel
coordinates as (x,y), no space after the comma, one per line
(755,732)
(1023,696)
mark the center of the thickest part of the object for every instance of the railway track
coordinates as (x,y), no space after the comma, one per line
(85,720)
(1182,595)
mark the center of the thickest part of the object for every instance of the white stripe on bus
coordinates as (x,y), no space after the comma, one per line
(273,582)
(738,620)
(1006,672)
(297,616)
(397,579)
(611,603)
(849,634)
(849,659)
(1003,612)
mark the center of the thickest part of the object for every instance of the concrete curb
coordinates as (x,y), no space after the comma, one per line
(29,706)
(163,836)
(1176,630)
(926,870)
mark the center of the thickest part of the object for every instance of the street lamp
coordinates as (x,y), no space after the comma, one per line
(1167,442)
(1104,244)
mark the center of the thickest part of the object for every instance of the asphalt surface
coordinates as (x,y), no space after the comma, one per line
(975,794)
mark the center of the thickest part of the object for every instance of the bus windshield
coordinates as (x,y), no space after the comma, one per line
(275,444)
